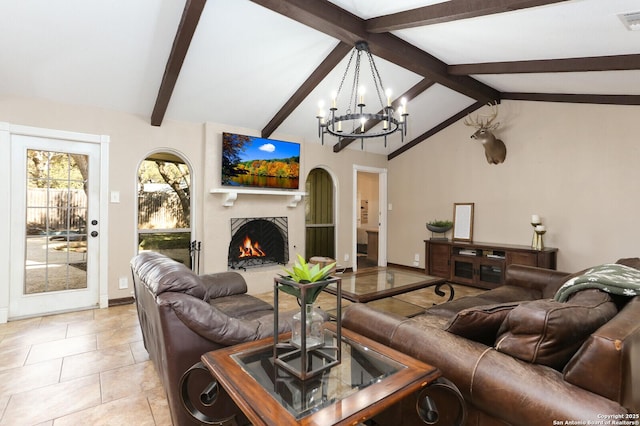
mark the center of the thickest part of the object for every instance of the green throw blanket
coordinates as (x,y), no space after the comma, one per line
(610,277)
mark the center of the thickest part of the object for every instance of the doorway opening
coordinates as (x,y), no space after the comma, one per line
(369,217)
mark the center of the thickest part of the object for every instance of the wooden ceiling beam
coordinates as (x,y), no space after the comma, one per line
(595,63)
(187,27)
(446,123)
(329,63)
(348,28)
(448,11)
(412,93)
(574,98)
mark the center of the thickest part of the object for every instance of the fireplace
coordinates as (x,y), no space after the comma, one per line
(258,242)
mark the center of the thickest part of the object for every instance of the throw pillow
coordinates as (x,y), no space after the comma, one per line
(480,323)
(549,332)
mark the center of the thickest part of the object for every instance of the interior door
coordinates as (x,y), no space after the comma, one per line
(55,225)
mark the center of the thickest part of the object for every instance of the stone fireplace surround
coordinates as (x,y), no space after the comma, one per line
(217,233)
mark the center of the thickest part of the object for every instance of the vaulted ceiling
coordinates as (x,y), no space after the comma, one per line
(265,64)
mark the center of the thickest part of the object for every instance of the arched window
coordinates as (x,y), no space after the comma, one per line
(319,215)
(164,207)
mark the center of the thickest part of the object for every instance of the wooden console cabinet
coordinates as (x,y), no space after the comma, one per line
(481,264)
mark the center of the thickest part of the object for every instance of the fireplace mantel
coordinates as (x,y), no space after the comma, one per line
(232,195)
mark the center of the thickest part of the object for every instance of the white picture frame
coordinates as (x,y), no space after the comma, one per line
(463,221)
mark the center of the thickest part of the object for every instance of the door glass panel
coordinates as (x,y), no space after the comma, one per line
(56,209)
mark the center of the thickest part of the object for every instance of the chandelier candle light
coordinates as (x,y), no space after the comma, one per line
(355,118)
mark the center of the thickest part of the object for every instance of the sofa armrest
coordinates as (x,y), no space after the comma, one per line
(223,284)
(608,362)
(370,322)
(211,323)
(547,281)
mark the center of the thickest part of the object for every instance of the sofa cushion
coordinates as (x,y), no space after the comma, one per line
(549,332)
(480,323)
(511,293)
(240,305)
(213,324)
(160,274)
(450,309)
(222,284)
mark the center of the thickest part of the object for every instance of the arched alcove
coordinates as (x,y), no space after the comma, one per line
(164,206)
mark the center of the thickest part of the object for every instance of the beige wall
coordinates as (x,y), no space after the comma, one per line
(132,139)
(574,165)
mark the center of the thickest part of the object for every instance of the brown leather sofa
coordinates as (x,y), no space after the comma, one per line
(183,315)
(519,357)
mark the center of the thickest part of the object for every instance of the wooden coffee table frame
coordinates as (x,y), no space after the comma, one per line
(262,409)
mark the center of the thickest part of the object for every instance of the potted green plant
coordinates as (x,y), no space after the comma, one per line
(303,273)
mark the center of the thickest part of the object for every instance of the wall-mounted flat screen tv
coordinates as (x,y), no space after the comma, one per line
(250,161)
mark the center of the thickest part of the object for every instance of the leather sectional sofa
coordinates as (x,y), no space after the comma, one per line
(183,315)
(519,357)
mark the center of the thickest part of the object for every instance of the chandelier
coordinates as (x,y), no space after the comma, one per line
(355,123)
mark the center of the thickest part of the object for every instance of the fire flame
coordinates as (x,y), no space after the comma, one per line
(250,249)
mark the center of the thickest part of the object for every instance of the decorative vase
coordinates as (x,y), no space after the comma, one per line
(312,328)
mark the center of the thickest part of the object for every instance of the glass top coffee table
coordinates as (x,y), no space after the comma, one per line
(363,287)
(370,378)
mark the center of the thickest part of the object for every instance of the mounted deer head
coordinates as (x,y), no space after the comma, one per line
(494,149)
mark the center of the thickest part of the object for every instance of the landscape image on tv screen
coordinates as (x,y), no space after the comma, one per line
(258,162)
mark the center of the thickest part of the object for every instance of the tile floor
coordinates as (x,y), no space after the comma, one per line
(80,368)
(91,368)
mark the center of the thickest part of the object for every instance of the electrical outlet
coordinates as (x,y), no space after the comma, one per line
(416,257)
(346,257)
(123,283)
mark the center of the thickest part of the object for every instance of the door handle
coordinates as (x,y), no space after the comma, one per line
(94,233)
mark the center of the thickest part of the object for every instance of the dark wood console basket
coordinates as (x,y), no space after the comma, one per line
(481,264)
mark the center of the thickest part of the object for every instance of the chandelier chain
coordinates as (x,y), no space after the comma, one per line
(344,76)
(375,74)
(354,86)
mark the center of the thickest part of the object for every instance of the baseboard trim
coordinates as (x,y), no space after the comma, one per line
(122,301)
(409,268)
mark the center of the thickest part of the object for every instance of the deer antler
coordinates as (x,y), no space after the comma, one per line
(482,124)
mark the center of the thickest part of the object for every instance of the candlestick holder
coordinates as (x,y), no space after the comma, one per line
(534,239)
(539,242)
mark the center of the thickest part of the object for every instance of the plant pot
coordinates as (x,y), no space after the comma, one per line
(439,229)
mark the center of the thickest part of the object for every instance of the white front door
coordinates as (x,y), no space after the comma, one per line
(55,225)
